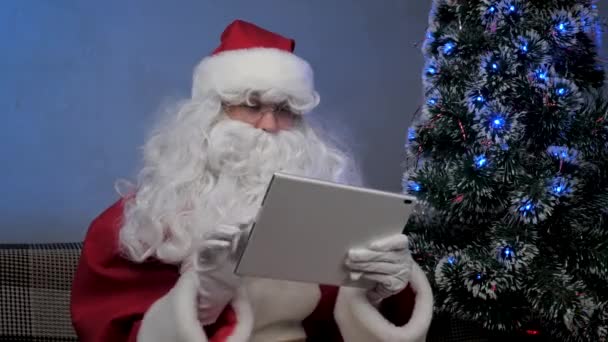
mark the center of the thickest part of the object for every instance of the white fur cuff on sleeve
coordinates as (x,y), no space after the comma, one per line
(174,316)
(360,321)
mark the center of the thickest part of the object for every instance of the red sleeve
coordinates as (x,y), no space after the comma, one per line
(321,325)
(398,308)
(109,293)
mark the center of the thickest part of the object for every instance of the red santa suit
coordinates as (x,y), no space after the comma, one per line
(116,300)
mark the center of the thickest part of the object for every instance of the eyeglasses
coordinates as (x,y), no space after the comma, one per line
(255,111)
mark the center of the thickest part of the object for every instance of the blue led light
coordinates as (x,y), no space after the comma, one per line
(448,48)
(481,161)
(411,134)
(563,152)
(527,207)
(507,253)
(414,186)
(560,186)
(498,122)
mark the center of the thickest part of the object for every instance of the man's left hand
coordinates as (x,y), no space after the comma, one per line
(386,262)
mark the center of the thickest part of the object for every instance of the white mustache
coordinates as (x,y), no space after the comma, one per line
(242,150)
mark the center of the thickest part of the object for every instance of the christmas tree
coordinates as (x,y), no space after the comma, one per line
(509,160)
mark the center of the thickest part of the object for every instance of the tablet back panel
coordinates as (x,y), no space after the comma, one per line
(306,227)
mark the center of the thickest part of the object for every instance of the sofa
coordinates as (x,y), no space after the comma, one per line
(35,282)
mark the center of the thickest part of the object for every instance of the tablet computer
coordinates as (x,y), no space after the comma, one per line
(305,228)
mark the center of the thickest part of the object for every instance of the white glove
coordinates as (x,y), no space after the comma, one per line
(214,264)
(386,262)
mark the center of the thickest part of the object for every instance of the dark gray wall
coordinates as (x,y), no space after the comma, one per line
(81,82)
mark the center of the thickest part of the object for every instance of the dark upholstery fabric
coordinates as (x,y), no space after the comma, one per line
(35,281)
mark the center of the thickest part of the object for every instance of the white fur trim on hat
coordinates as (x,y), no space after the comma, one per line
(360,321)
(256,69)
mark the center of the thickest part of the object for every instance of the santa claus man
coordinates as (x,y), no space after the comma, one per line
(158,266)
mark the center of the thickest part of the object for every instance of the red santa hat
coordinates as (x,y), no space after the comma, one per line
(252,58)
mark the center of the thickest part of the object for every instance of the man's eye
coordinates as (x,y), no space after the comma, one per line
(287,115)
(284,109)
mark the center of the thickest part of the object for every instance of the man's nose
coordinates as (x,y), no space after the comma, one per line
(268,122)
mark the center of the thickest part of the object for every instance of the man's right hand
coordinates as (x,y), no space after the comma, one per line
(214,264)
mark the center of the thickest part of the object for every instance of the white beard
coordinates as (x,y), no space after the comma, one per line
(244,159)
(226,186)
